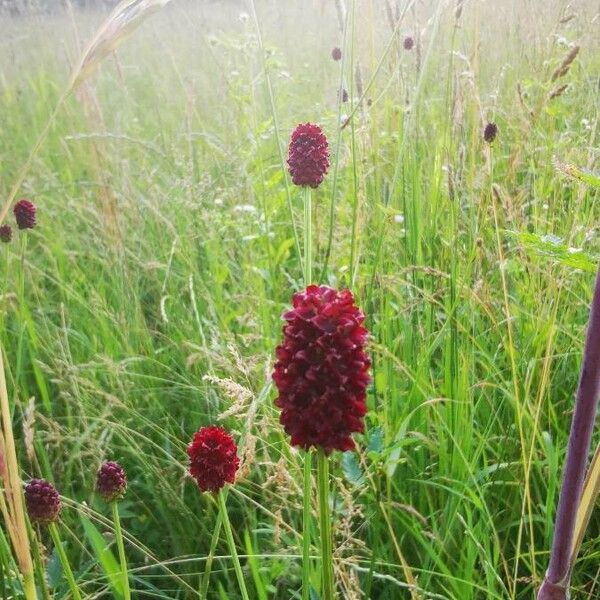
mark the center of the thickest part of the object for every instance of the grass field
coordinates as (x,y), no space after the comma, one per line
(148,300)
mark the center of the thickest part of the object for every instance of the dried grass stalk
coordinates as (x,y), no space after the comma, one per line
(118,26)
(564,66)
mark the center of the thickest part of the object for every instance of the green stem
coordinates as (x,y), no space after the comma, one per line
(40,572)
(306,526)
(209,559)
(307,236)
(231,543)
(327,591)
(64,561)
(121,549)
(308,456)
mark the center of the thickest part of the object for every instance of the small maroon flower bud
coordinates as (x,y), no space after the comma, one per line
(111,481)
(42,500)
(213,458)
(490,132)
(322,370)
(308,155)
(344,95)
(25,214)
(409,42)
(336,54)
(6,233)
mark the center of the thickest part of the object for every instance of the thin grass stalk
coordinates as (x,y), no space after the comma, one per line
(359,87)
(589,496)
(214,540)
(121,549)
(327,584)
(13,492)
(64,561)
(275,125)
(336,162)
(556,583)
(231,542)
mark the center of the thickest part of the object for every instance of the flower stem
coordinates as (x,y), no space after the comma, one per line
(556,585)
(306,525)
(308,455)
(121,549)
(307,236)
(327,591)
(204,583)
(64,561)
(231,543)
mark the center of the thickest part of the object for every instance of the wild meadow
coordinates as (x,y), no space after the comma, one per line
(147,301)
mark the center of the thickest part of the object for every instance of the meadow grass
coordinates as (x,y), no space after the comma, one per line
(148,300)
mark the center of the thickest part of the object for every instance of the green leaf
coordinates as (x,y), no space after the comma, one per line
(375,440)
(314,595)
(550,246)
(104,556)
(54,570)
(579,173)
(352,469)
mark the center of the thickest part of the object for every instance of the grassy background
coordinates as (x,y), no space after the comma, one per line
(148,300)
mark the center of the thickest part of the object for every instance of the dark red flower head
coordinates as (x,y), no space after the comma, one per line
(111,481)
(42,500)
(213,458)
(308,155)
(322,368)
(6,233)
(25,214)
(409,42)
(336,54)
(490,132)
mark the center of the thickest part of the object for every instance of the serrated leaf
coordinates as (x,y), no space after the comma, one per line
(375,440)
(550,246)
(352,469)
(579,173)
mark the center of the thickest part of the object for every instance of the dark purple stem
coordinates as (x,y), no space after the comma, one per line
(556,585)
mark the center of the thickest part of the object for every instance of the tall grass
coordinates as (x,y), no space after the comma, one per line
(462,257)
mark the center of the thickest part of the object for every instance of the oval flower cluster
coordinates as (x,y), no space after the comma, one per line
(42,501)
(213,458)
(111,481)
(308,155)
(24,211)
(322,368)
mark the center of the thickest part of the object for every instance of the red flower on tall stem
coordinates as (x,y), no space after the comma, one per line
(322,370)
(308,155)
(213,458)
(24,211)
(42,500)
(6,233)
(111,481)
